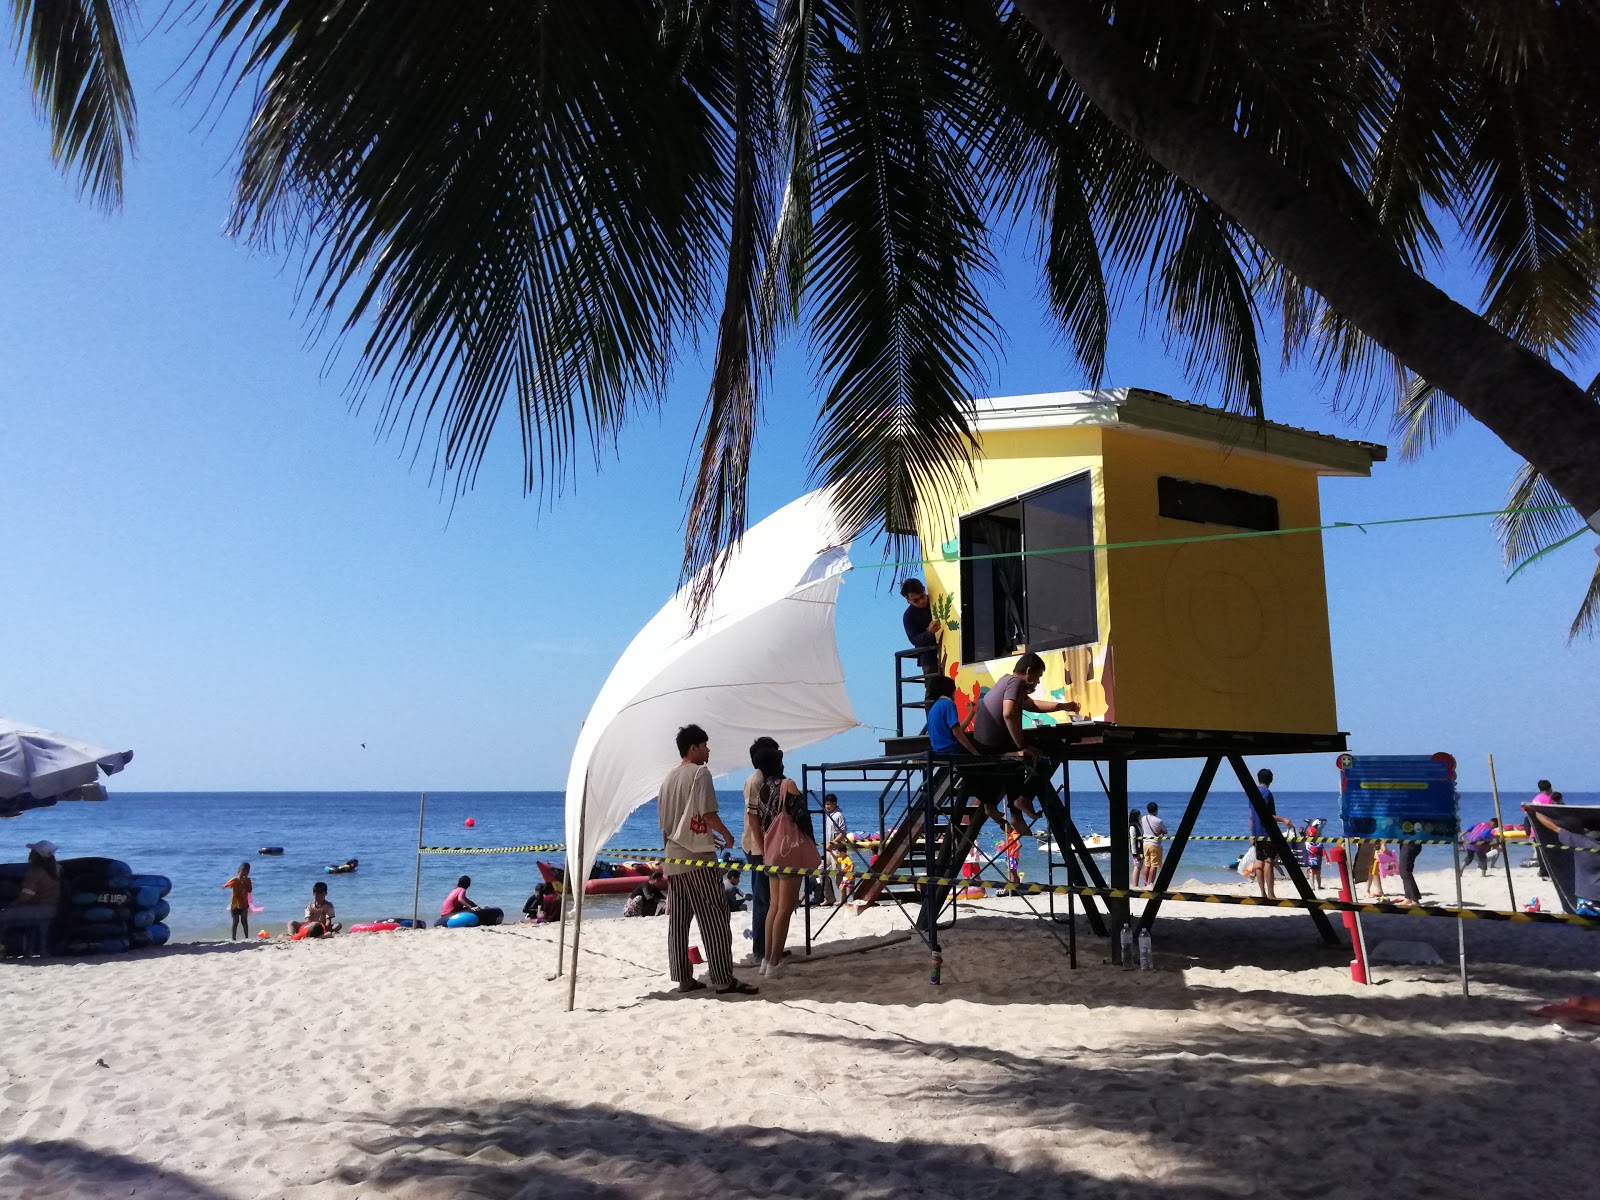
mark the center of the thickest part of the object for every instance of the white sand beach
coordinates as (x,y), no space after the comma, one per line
(442,1064)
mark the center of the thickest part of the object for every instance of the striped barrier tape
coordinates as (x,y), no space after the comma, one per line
(547,849)
(1040,889)
(654,852)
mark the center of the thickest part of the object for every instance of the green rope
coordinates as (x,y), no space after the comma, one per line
(1571,537)
(1226,537)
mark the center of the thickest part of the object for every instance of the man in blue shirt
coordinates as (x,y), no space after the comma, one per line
(921,629)
(948,739)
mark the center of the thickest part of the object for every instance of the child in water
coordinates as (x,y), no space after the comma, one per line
(239,904)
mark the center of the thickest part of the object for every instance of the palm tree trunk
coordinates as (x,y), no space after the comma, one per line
(1530,405)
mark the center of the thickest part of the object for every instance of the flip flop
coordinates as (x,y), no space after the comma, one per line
(738,988)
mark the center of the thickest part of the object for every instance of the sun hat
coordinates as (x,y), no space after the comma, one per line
(44,846)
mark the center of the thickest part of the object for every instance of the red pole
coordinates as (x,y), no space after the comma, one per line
(1358,964)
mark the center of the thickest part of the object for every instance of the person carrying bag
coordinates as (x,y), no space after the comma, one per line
(787,841)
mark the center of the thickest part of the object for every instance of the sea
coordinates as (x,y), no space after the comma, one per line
(198,840)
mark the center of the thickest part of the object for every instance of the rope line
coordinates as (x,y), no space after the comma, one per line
(1220,537)
(1040,889)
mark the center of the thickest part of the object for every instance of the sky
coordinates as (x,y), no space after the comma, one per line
(213,561)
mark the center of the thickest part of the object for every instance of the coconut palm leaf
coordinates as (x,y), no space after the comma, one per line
(898,254)
(1587,622)
(1538,520)
(73,53)
(732,71)
(1536,517)
(452,173)
(1423,417)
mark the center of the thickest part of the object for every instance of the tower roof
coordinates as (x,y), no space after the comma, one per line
(1163,416)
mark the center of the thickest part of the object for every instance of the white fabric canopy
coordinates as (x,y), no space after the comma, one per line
(763,661)
(42,764)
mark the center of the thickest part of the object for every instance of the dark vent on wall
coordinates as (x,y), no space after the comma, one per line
(1208,504)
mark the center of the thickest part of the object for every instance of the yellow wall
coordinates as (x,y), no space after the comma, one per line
(1221,635)
(1008,464)
(1216,635)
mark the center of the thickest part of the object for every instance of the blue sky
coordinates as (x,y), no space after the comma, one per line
(212,561)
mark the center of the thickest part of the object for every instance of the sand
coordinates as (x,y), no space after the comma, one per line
(441,1064)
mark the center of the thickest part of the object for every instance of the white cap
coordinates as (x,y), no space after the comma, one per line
(44,847)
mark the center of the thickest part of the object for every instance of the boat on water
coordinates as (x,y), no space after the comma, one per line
(1095,843)
(605,878)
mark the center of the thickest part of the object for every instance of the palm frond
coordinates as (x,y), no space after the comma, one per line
(733,73)
(452,173)
(899,324)
(1043,168)
(73,53)
(1530,165)
(1412,152)
(1587,622)
(1423,417)
(1538,517)
(1205,274)
(795,95)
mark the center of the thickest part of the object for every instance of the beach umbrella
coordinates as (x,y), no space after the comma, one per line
(764,659)
(38,767)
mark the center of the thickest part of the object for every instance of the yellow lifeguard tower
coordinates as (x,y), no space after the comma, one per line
(1164,560)
(1227,634)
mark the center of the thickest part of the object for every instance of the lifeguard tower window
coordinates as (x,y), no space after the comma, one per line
(1208,504)
(1030,597)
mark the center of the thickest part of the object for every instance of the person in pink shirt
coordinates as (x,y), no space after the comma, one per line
(457,901)
(1545,796)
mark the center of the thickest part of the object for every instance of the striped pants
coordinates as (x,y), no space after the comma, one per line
(697,894)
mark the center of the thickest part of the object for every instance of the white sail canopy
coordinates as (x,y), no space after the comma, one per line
(764,660)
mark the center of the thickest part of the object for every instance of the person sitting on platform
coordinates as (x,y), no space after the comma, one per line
(948,739)
(997,730)
(922,631)
(1585,866)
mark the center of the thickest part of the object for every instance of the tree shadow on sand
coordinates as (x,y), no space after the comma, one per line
(1413,1113)
(1261,1110)
(524,1150)
(71,1170)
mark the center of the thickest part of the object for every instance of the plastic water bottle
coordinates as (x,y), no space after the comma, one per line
(1145,957)
(935,967)
(1126,940)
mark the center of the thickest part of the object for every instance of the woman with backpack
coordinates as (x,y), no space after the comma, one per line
(786,841)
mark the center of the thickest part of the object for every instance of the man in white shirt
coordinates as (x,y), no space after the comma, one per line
(1154,830)
(836,834)
(691,829)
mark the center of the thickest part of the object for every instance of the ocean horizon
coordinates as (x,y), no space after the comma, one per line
(198,839)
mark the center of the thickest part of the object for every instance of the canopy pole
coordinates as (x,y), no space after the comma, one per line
(416,887)
(1505,846)
(561,939)
(1461,926)
(577,912)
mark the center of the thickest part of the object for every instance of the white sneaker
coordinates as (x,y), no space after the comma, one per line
(749,960)
(772,970)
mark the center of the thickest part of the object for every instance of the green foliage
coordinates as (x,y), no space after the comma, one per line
(944,611)
(531,214)
(73,53)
